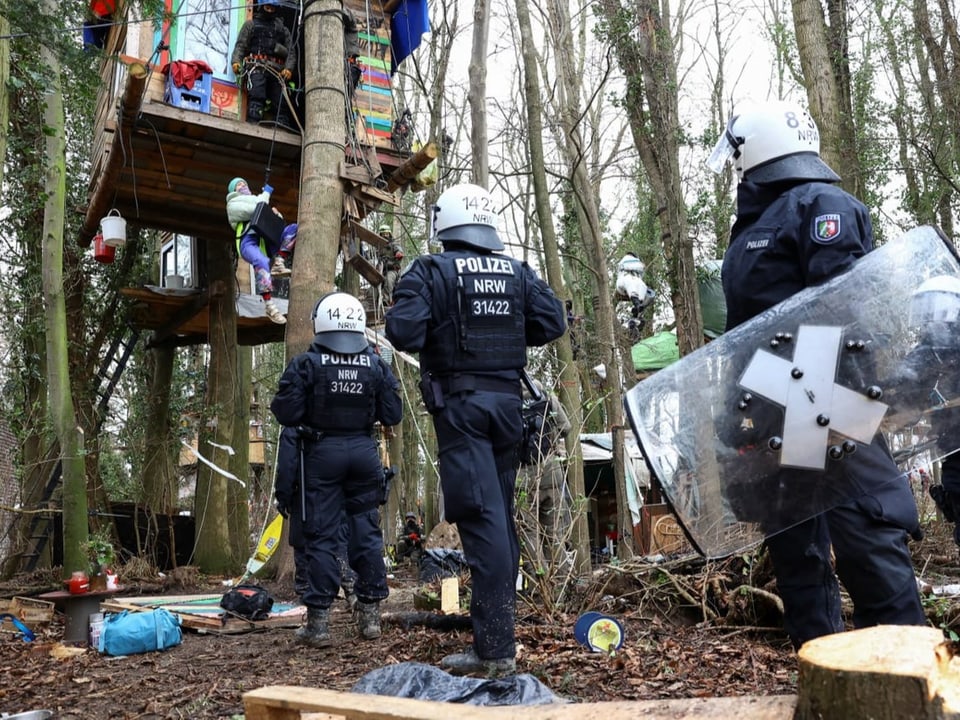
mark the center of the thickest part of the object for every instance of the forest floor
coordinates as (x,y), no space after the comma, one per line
(692,630)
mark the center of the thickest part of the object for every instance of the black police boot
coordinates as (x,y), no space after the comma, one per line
(469,663)
(316,633)
(368,620)
(254,111)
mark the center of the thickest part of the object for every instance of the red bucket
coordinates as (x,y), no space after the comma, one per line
(101,251)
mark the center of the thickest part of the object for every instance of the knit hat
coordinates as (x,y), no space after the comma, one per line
(233,184)
(289,232)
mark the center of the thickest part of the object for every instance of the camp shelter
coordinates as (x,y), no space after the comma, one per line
(598,480)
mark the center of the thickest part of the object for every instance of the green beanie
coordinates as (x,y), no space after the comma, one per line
(233,184)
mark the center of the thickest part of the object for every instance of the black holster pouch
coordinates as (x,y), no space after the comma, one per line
(945,501)
(432,393)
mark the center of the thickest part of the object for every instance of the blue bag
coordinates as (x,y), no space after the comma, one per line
(129,633)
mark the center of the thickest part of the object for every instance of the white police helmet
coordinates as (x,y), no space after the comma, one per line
(772,142)
(936,300)
(340,323)
(467,214)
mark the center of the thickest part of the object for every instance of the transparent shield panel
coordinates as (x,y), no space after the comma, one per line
(787,415)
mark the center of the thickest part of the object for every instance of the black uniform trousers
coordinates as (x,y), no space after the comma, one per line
(950,479)
(868,536)
(263,88)
(343,473)
(477,437)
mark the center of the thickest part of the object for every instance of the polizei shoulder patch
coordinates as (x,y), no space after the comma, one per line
(826,228)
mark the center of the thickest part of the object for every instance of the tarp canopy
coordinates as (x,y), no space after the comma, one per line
(660,350)
(713,306)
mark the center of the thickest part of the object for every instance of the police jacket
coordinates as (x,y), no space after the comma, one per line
(788,237)
(337,394)
(467,311)
(265,37)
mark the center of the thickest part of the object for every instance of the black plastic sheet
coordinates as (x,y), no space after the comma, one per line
(419,681)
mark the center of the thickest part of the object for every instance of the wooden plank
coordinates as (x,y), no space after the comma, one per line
(359,263)
(287,703)
(355,173)
(450,596)
(366,235)
(370,194)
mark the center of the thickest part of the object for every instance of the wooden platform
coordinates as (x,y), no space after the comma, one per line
(172,164)
(294,703)
(183,319)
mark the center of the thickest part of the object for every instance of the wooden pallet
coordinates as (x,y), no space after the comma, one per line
(301,703)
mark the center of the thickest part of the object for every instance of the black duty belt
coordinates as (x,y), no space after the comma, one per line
(309,433)
(465,383)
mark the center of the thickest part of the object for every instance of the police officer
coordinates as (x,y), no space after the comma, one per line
(932,368)
(470,312)
(334,393)
(795,228)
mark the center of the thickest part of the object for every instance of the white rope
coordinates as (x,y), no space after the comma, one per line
(216,468)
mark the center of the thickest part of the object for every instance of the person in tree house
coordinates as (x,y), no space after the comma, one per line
(390,258)
(263,61)
(251,246)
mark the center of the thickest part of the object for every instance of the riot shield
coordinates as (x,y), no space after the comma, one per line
(789,414)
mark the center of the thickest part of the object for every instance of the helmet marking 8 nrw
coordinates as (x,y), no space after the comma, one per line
(467,214)
(340,323)
(772,142)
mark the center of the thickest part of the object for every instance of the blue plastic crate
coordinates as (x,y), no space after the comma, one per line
(196,98)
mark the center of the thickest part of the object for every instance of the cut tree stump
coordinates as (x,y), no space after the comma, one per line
(888,672)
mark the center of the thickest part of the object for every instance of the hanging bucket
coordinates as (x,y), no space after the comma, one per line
(114,228)
(102,252)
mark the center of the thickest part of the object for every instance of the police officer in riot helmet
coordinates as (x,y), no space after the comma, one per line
(334,393)
(796,228)
(932,368)
(470,312)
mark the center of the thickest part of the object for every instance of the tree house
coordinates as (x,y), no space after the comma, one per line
(163,153)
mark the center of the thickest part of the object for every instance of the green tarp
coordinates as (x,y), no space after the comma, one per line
(656,352)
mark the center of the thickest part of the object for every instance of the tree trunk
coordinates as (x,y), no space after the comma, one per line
(587,210)
(568,394)
(478,94)
(4,95)
(240,498)
(887,672)
(321,191)
(823,59)
(58,373)
(211,505)
(650,64)
(159,478)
